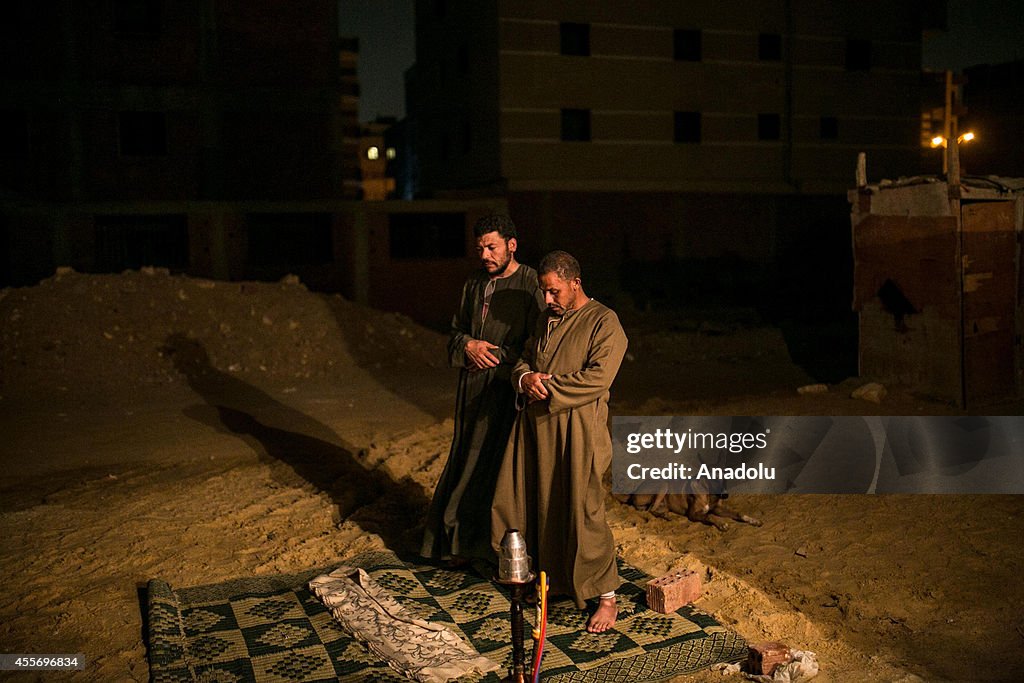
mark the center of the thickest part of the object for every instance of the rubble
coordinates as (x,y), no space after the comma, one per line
(101,332)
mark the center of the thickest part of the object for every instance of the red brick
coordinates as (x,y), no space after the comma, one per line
(762,658)
(670,592)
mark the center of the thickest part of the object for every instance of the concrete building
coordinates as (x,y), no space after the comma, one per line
(674,131)
(155,100)
(351,131)
(375,155)
(216,139)
(120,118)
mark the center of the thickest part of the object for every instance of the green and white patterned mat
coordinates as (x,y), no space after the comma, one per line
(274,629)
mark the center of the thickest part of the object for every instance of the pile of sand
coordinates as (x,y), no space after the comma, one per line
(97,334)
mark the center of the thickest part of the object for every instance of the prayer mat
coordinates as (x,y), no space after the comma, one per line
(273,629)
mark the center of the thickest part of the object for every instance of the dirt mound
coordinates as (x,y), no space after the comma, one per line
(96,334)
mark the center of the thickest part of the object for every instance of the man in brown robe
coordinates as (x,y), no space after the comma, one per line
(550,483)
(499,309)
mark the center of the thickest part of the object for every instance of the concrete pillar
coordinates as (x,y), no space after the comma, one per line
(360,261)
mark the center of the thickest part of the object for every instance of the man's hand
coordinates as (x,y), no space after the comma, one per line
(479,356)
(533,386)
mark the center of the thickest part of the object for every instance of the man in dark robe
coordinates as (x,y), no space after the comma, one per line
(499,308)
(550,485)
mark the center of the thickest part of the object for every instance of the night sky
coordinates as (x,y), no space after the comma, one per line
(980,32)
(387,47)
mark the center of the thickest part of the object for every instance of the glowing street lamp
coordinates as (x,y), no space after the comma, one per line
(939,141)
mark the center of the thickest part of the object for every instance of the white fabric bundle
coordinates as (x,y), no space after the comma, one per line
(421,650)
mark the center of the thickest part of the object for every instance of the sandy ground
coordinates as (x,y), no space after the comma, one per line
(157,426)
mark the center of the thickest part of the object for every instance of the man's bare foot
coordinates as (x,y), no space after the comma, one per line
(604,617)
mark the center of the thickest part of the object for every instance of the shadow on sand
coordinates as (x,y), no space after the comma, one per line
(298,449)
(393,349)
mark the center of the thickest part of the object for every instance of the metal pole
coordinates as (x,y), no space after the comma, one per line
(947,122)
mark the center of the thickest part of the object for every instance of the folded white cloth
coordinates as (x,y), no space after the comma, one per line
(421,650)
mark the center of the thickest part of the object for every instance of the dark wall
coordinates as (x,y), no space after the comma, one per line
(787,256)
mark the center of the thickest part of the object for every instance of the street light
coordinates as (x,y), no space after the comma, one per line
(939,141)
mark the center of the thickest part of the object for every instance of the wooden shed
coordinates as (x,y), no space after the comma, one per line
(938,286)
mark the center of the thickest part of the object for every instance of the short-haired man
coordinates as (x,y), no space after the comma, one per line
(499,309)
(550,484)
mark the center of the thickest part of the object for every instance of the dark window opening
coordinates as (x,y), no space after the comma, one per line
(575,39)
(829,128)
(427,235)
(686,45)
(858,55)
(137,17)
(687,126)
(13,134)
(576,125)
(466,135)
(289,239)
(142,133)
(769,127)
(769,47)
(15,20)
(896,303)
(462,59)
(446,147)
(124,242)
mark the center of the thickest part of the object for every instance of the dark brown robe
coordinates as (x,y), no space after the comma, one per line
(550,482)
(458,520)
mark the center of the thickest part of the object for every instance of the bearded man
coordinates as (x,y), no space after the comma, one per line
(499,309)
(550,486)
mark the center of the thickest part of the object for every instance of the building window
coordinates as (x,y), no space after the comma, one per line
(13,134)
(462,59)
(769,47)
(829,128)
(575,39)
(15,23)
(373,153)
(576,125)
(466,137)
(142,133)
(390,153)
(142,240)
(687,126)
(446,146)
(137,17)
(858,54)
(769,127)
(427,235)
(289,239)
(686,45)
